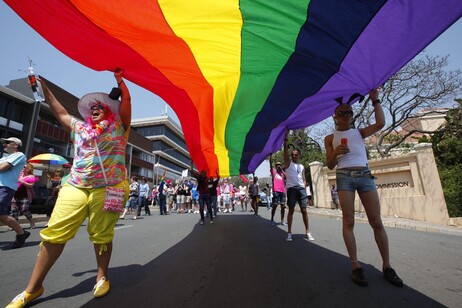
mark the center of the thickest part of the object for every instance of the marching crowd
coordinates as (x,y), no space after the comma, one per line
(97,181)
(182,196)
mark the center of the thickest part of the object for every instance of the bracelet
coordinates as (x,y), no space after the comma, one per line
(377,101)
(119,83)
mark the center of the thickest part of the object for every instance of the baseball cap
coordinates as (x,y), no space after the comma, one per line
(12,139)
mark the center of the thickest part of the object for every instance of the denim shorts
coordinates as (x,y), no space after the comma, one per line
(279,197)
(355,181)
(297,194)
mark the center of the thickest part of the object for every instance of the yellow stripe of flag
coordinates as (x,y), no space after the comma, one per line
(215,41)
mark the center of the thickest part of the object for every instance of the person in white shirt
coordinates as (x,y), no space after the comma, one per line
(345,150)
(243,198)
(308,194)
(143,198)
(296,188)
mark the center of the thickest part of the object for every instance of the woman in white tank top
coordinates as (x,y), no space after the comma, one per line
(345,150)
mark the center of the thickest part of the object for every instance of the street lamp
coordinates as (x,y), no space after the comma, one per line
(157,164)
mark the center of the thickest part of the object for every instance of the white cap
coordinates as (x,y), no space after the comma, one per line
(12,139)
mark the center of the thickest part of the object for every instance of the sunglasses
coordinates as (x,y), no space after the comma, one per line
(97,107)
(344,113)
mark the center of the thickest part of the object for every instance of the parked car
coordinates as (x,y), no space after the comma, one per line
(42,205)
(262,200)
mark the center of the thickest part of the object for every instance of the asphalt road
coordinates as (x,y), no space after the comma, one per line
(240,261)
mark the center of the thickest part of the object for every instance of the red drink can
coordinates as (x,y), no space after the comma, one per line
(344,141)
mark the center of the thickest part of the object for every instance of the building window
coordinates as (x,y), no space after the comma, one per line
(3,107)
(18,113)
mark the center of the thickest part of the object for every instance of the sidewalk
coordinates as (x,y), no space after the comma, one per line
(393,222)
(390,221)
(38,218)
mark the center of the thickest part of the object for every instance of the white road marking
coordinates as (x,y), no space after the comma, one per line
(123,227)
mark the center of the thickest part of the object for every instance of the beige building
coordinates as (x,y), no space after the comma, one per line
(409,186)
(426,119)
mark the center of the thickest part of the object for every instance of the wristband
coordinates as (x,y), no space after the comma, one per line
(377,101)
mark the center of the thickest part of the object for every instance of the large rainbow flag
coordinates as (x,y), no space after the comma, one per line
(237,73)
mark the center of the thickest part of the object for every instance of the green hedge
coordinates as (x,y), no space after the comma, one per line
(451,180)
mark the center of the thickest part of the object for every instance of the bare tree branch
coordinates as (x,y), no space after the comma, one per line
(412,93)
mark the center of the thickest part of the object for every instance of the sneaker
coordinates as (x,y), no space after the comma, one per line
(20,240)
(24,298)
(391,277)
(101,288)
(273,223)
(201,222)
(283,224)
(211,222)
(358,277)
(309,236)
(289,237)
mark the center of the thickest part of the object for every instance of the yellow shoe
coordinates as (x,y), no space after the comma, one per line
(21,300)
(101,288)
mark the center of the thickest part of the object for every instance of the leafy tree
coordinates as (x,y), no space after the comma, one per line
(310,150)
(421,85)
(447,142)
(447,147)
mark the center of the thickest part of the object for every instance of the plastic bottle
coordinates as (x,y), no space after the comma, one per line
(35,86)
(32,79)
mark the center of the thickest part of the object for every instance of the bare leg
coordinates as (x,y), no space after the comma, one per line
(103,260)
(48,255)
(370,200)
(283,208)
(290,216)
(305,219)
(348,198)
(12,223)
(124,213)
(273,211)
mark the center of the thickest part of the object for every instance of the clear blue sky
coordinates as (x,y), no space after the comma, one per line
(20,42)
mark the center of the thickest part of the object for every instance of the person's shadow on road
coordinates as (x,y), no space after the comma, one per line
(242,262)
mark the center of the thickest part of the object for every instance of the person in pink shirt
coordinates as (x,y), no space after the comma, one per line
(279,191)
(24,195)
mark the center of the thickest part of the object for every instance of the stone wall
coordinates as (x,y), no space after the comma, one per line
(409,186)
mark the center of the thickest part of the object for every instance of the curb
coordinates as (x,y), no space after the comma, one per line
(392,222)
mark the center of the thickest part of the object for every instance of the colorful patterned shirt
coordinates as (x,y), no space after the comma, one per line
(86,171)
